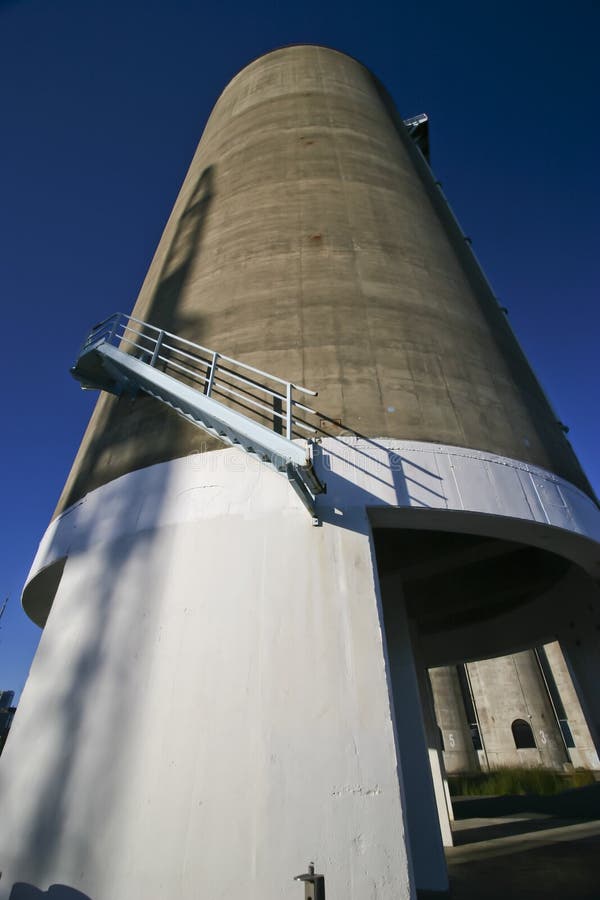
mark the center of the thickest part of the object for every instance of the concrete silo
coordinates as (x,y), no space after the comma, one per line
(517,710)
(227,686)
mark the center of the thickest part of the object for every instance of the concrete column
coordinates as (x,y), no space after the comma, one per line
(583,754)
(582,655)
(580,643)
(459,755)
(438,773)
(432,738)
(425,806)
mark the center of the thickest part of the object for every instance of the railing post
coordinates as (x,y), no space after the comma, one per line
(157,347)
(288,411)
(113,330)
(211,377)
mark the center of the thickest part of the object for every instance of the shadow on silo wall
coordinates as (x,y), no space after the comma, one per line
(128,433)
(60,712)
(164,305)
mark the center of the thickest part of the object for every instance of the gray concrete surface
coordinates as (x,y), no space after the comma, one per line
(504,689)
(310,239)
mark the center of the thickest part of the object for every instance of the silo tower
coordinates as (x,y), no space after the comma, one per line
(319,463)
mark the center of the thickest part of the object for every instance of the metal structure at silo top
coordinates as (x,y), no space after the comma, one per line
(221,691)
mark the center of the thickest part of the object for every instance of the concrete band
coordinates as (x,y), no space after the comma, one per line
(395,484)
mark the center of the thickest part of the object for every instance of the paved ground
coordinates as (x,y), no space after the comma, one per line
(524,856)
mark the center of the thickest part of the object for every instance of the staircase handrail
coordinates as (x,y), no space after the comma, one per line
(158,347)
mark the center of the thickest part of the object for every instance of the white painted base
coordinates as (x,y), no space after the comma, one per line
(209,708)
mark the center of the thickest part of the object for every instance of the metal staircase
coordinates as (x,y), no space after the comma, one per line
(125,355)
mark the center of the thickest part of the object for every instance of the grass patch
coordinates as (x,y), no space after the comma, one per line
(509,780)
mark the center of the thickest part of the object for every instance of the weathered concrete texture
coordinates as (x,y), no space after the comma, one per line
(267,680)
(459,754)
(580,643)
(512,688)
(505,689)
(583,754)
(193,728)
(310,239)
(421,806)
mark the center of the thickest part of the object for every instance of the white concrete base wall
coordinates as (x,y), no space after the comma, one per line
(208,709)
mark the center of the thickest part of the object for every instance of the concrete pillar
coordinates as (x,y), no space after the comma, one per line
(432,738)
(459,755)
(583,754)
(424,799)
(582,655)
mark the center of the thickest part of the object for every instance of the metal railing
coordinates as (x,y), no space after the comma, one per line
(239,385)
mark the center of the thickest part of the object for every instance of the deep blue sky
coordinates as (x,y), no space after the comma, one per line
(102,103)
